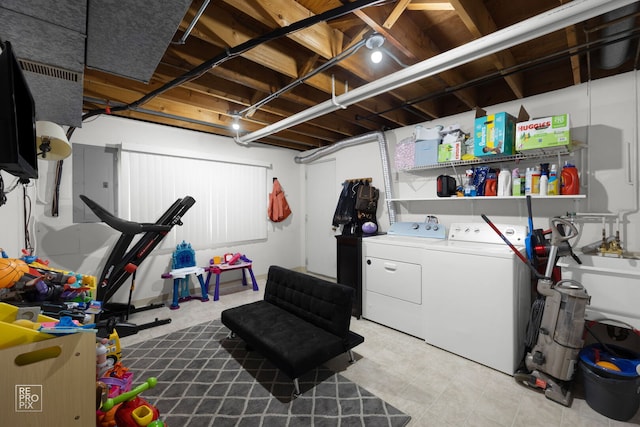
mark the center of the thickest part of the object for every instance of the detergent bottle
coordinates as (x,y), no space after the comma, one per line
(570,181)
(516,186)
(491,184)
(544,184)
(504,182)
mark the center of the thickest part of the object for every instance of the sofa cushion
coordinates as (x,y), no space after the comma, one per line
(320,302)
(291,343)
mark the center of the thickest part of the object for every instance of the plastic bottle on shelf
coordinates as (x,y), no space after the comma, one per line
(552,186)
(515,182)
(528,181)
(468,187)
(544,182)
(491,184)
(535,180)
(504,183)
(570,181)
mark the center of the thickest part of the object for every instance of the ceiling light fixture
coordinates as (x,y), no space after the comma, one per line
(51,141)
(374,42)
(235,125)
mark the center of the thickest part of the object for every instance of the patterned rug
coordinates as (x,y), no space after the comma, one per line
(207,379)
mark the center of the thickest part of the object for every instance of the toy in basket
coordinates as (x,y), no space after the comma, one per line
(131,410)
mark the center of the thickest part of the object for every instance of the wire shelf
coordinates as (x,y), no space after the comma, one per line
(535,154)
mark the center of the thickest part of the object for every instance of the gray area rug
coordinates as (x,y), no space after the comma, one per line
(207,379)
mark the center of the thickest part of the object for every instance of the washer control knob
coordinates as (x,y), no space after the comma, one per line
(435,227)
(427,227)
(415,226)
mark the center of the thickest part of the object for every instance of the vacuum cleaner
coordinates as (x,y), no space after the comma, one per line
(553,360)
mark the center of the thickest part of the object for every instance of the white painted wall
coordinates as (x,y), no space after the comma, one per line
(604,116)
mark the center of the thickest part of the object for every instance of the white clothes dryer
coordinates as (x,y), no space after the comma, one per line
(393,272)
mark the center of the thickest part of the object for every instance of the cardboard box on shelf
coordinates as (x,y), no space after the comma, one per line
(450,151)
(51,382)
(426,148)
(546,133)
(494,134)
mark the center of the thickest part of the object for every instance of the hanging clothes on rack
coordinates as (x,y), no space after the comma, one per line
(357,205)
(345,211)
(278,209)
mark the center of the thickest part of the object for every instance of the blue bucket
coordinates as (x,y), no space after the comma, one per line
(626,360)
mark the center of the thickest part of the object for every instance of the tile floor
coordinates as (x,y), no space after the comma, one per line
(435,387)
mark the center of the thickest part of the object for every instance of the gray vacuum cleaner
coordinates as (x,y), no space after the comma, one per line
(553,360)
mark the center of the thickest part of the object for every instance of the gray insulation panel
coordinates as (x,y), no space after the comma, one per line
(51,44)
(129,38)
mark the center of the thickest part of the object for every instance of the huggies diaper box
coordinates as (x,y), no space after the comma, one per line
(545,133)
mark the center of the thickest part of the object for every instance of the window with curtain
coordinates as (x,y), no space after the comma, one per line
(231,198)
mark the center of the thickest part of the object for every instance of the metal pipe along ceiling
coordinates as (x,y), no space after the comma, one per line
(356,140)
(529,29)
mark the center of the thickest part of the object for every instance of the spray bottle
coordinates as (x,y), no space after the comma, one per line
(544,178)
(552,185)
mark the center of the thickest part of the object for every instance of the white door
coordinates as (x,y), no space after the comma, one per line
(322,198)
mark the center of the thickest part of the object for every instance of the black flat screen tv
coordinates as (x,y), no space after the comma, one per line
(18,153)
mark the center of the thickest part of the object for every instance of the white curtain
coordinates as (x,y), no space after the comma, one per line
(231,198)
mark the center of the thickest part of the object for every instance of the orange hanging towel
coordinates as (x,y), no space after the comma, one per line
(278,207)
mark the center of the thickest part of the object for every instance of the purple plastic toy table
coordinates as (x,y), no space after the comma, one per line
(218,269)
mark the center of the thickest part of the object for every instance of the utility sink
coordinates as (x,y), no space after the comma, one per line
(613,284)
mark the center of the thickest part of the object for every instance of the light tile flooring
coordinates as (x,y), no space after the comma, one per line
(435,387)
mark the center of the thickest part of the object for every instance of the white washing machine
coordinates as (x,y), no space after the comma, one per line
(393,273)
(477,300)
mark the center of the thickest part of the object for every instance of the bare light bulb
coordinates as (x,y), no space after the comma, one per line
(235,125)
(376,56)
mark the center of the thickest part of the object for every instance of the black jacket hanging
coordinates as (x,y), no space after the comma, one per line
(346,208)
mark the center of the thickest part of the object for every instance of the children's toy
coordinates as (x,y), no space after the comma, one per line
(134,411)
(11,270)
(184,265)
(236,262)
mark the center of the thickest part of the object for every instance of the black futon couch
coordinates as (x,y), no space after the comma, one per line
(302,322)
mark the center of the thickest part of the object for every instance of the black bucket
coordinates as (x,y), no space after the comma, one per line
(612,393)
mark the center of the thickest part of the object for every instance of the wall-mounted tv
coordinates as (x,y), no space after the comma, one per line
(18,153)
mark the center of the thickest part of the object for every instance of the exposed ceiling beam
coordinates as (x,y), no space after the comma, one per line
(430,5)
(478,20)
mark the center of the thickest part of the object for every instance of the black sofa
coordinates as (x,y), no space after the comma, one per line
(302,322)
